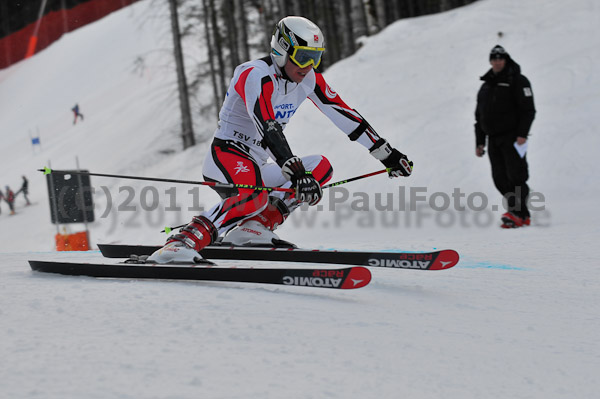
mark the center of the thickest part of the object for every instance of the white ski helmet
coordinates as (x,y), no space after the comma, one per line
(298,39)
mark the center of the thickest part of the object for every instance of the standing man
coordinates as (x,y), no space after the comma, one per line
(24,189)
(504,114)
(249,145)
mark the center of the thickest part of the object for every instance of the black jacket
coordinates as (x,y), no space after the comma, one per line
(504,105)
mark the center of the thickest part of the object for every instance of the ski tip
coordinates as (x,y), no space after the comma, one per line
(357,277)
(446,259)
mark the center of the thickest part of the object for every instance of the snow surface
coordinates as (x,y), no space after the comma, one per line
(518,317)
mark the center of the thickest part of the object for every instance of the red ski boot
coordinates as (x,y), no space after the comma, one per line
(257,231)
(183,247)
(512,221)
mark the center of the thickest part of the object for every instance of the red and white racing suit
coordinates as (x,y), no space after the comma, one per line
(257,95)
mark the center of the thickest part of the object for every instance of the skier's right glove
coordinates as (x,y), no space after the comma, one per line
(397,163)
(308,188)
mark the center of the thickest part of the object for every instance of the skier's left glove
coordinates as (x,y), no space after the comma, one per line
(308,188)
(397,163)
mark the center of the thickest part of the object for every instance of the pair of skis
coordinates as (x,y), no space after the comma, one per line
(355,276)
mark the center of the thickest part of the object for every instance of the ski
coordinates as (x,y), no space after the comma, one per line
(346,278)
(435,260)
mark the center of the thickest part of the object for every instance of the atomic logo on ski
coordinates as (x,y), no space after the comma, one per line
(405,264)
(319,278)
(313,281)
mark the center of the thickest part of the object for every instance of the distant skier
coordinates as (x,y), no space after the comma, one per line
(24,189)
(9,197)
(76,113)
(1,198)
(262,97)
(504,114)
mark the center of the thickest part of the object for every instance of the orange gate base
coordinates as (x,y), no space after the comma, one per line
(72,242)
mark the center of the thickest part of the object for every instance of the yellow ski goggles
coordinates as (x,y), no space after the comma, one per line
(304,56)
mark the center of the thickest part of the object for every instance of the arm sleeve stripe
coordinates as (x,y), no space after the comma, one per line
(372,135)
(320,90)
(240,86)
(266,108)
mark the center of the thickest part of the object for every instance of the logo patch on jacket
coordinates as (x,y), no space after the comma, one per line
(329,92)
(241,168)
(527,91)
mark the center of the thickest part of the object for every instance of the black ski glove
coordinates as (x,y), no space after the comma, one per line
(397,163)
(308,188)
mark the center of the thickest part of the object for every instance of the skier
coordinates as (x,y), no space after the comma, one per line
(262,97)
(9,197)
(76,113)
(504,113)
(1,198)
(24,189)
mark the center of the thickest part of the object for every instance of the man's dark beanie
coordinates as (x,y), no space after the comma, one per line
(498,52)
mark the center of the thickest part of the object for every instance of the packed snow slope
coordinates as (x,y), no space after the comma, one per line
(517,318)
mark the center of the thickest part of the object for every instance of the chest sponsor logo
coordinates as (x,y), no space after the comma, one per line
(284,111)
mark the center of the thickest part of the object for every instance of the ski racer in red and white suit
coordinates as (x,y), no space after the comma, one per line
(261,99)
(258,94)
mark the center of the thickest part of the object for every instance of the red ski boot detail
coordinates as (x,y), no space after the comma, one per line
(512,221)
(200,233)
(258,230)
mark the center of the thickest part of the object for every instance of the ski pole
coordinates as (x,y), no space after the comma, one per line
(167,230)
(357,178)
(48,171)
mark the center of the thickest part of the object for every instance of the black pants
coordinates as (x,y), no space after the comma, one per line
(510,174)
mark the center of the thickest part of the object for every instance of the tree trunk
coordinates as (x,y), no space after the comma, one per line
(360,16)
(218,43)
(211,59)
(268,21)
(228,12)
(348,31)
(187,130)
(379,8)
(331,32)
(242,25)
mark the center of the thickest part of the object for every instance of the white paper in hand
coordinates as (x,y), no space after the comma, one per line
(521,148)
